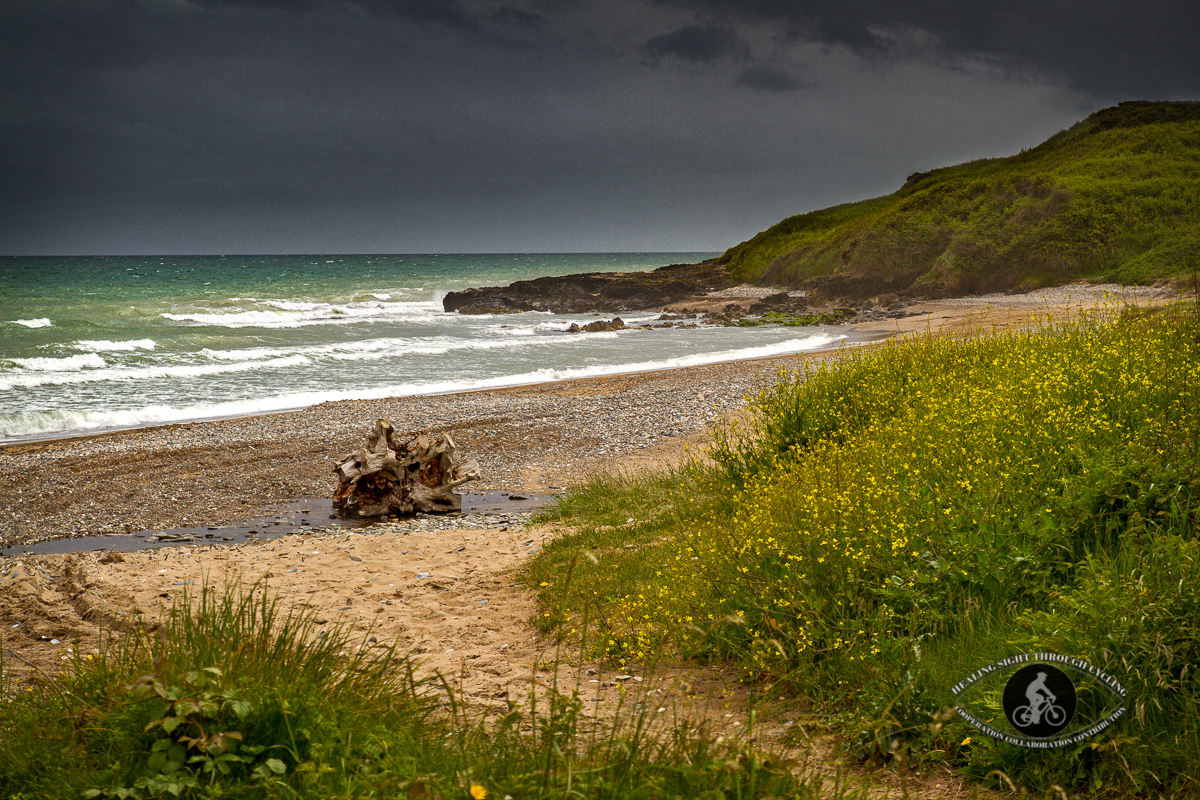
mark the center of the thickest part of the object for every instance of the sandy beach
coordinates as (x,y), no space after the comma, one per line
(467,612)
(445,591)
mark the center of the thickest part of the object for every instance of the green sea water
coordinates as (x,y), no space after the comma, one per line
(93,343)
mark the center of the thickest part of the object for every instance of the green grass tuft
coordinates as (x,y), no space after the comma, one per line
(231,697)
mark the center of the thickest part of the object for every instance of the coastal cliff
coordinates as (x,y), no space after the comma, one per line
(1115,199)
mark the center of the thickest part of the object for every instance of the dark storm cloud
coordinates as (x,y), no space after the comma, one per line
(459,15)
(1147,47)
(701,44)
(353,125)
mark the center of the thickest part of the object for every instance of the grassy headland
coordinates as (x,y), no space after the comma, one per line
(1116,196)
(896,519)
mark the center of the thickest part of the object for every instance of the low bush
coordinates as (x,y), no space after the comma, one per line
(898,517)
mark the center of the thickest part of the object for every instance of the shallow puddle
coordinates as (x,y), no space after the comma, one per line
(300,516)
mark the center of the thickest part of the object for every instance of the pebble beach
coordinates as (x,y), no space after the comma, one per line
(444,589)
(538,438)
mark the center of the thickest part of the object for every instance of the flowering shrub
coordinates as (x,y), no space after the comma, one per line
(928,500)
(880,488)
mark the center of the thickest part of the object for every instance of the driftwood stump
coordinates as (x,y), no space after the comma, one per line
(393,475)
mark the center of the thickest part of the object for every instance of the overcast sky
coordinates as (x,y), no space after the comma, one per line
(354,126)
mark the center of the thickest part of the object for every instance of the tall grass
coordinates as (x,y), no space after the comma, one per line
(899,517)
(231,697)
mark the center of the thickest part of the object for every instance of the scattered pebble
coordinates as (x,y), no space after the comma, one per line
(425,523)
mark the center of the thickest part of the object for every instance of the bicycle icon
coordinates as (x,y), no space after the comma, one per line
(1049,700)
(1051,714)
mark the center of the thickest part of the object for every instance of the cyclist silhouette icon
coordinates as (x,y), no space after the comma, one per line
(1039,700)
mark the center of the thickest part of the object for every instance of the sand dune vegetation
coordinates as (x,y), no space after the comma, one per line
(896,519)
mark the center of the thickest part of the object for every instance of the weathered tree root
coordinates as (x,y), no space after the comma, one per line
(389,475)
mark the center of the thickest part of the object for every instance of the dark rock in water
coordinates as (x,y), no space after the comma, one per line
(594,291)
(601,325)
(573,329)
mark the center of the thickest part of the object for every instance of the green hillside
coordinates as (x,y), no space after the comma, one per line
(1115,197)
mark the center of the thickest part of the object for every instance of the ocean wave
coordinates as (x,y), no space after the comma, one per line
(299,313)
(294,305)
(107,346)
(511,330)
(549,374)
(375,349)
(40,423)
(67,364)
(126,374)
(43,322)
(35,423)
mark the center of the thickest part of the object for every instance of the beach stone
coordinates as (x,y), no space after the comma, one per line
(601,326)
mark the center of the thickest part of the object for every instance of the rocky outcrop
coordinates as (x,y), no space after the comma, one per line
(599,326)
(594,291)
(729,315)
(781,303)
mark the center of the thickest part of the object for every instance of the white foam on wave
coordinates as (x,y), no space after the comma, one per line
(28,380)
(36,423)
(67,364)
(298,313)
(549,374)
(43,322)
(510,330)
(295,305)
(107,346)
(376,349)
(40,423)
